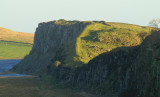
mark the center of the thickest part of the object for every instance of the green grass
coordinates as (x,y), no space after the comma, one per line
(98,38)
(13,50)
(65,22)
(14,45)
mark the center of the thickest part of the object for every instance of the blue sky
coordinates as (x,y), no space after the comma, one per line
(24,15)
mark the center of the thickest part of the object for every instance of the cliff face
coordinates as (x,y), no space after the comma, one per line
(51,35)
(75,43)
(48,38)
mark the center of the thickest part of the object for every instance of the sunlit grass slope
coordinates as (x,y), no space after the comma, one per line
(98,38)
(9,35)
(14,45)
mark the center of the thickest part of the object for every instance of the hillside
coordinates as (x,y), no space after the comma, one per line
(14,45)
(74,43)
(122,72)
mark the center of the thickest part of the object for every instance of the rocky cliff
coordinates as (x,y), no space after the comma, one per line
(48,38)
(74,43)
(110,59)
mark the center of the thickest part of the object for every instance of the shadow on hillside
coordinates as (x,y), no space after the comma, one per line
(93,34)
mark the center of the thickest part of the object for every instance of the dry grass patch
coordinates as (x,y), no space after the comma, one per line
(9,35)
(32,87)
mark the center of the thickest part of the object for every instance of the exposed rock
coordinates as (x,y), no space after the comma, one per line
(48,37)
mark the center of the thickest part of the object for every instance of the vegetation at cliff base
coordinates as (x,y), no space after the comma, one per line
(14,45)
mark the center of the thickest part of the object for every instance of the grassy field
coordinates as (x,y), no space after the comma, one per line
(33,87)
(14,45)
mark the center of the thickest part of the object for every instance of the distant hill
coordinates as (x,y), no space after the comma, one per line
(14,45)
(9,35)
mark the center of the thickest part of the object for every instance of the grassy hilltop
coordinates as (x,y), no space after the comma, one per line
(98,38)
(14,45)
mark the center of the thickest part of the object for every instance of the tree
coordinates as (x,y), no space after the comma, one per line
(154,23)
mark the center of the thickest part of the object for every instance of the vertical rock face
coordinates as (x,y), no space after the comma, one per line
(48,37)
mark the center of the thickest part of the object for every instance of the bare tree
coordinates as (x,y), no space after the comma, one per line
(158,21)
(154,23)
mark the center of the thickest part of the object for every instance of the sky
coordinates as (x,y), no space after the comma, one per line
(24,15)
